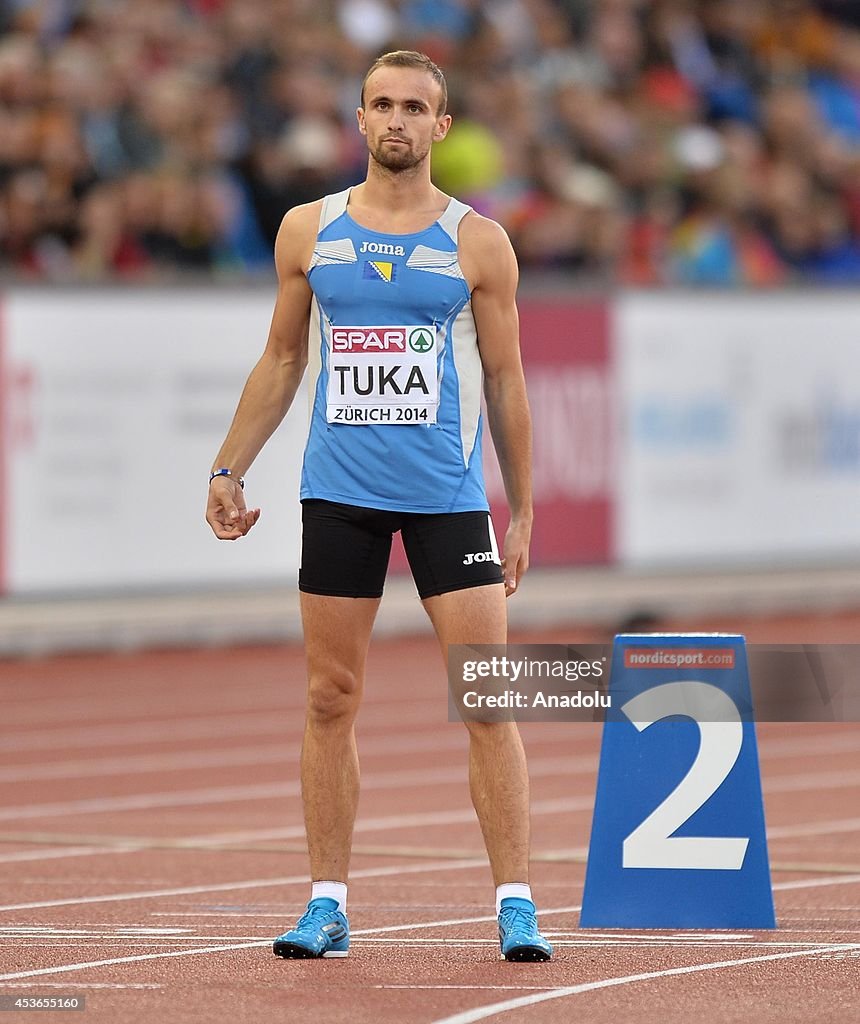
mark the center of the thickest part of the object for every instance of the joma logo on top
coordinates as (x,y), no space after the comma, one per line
(368,339)
(383,247)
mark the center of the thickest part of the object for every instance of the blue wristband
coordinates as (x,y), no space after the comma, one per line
(227,472)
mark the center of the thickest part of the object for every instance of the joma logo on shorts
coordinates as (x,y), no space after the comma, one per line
(383,247)
(479,556)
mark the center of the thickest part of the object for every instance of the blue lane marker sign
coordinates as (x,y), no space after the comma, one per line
(678,836)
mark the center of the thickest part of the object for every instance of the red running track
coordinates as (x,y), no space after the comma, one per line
(152,847)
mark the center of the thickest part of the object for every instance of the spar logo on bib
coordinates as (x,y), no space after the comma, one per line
(374,340)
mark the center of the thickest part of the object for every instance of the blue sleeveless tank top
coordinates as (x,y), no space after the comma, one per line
(394,372)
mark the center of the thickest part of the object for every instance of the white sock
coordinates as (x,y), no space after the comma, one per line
(331,891)
(521,890)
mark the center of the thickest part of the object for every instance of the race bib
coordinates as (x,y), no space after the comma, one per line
(382,375)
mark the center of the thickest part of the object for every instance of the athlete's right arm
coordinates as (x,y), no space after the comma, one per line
(272,384)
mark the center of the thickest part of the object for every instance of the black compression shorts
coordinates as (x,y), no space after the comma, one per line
(345,549)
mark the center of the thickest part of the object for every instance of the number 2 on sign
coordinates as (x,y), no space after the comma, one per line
(651,844)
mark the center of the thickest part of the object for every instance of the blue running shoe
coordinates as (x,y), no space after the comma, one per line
(321,931)
(519,937)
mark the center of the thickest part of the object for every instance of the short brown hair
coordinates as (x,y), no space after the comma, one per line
(410,59)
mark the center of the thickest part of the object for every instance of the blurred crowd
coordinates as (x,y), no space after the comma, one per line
(646,142)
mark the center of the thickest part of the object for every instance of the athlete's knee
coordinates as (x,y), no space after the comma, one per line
(333,695)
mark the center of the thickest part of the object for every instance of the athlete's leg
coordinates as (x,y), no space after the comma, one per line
(498,776)
(344,559)
(337,635)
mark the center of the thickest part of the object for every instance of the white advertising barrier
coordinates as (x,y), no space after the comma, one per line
(115,405)
(741,428)
(570,379)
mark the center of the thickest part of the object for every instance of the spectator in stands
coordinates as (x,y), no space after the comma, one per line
(651,142)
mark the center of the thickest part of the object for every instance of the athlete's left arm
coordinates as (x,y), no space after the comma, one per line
(490,266)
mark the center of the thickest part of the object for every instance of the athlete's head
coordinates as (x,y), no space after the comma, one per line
(417,61)
(402,112)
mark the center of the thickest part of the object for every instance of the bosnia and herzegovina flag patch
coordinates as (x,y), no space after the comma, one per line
(379,270)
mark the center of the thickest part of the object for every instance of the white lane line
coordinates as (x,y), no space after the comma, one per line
(272,753)
(128,707)
(384,823)
(540,767)
(254,883)
(142,764)
(42,971)
(802,783)
(66,851)
(817,883)
(149,801)
(546,912)
(390,823)
(582,943)
(632,936)
(790,746)
(469,988)
(494,1009)
(125,931)
(207,727)
(134,707)
(814,828)
(215,726)
(65,985)
(253,723)
(430,818)
(801,931)
(135,941)
(466,815)
(371,746)
(381,824)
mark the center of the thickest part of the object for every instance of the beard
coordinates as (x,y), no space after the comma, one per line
(396,158)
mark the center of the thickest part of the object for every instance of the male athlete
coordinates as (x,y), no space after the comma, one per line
(400,301)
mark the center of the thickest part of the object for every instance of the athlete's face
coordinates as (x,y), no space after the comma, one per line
(400,116)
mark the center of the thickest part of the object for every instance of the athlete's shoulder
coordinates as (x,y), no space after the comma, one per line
(485,251)
(475,229)
(301,219)
(296,237)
